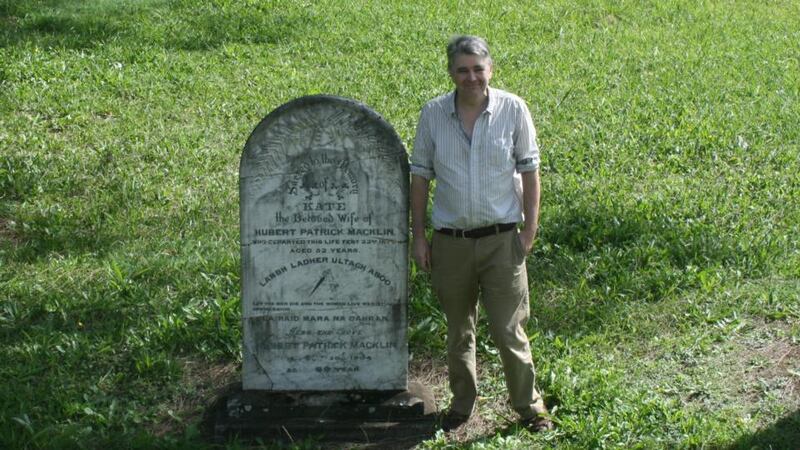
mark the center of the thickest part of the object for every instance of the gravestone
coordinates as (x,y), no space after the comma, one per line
(324,246)
(324,235)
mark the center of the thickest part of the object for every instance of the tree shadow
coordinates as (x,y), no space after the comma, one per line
(597,257)
(49,235)
(173,25)
(72,223)
(783,434)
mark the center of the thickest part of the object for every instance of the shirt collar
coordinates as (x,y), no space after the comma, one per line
(451,102)
(490,106)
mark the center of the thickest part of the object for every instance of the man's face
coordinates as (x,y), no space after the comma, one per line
(471,73)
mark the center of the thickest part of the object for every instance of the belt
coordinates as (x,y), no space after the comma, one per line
(476,233)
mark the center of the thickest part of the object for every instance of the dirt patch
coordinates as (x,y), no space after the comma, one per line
(9,20)
(749,372)
(772,366)
(492,413)
(430,372)
(202,382)
(607,21)
(7,232)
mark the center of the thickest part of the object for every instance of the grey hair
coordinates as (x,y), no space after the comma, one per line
(466,45)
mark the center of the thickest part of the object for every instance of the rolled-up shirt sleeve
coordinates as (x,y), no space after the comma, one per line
(526,150)
(422,157)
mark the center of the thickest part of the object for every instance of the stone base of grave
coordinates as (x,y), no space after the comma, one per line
(359,417)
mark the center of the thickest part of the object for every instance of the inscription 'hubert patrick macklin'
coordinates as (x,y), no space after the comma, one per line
(324,233)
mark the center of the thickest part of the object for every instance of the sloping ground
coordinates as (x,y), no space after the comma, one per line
(754,373)
(666,300)
(750,378)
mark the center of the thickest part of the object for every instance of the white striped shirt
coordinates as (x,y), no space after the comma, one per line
(477,183)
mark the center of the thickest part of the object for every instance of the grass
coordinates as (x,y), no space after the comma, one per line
(664,283)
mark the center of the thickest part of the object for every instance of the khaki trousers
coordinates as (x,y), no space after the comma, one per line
(493,266)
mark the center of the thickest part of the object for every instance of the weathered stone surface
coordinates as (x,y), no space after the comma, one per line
(324,237)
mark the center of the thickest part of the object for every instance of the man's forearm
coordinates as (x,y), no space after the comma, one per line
(419,204)
(531,193)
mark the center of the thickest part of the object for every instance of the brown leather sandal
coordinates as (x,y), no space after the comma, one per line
(538,423)
(453,420)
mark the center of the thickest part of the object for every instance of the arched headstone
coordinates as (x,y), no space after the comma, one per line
(324,239)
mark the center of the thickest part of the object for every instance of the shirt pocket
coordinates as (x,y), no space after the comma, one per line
(501,152)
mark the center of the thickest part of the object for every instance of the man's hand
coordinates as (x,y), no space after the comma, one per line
(422,253)
(526,237)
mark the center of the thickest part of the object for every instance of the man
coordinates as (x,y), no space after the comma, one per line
(477,142)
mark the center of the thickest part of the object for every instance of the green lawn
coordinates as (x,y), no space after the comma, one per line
(665,281)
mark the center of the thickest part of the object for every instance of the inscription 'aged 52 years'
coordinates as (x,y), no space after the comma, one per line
(324,235)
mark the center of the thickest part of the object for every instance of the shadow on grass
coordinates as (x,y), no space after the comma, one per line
(62,243)
(177,25)
(596,257)
(783,434)
(58,231)
(607,256)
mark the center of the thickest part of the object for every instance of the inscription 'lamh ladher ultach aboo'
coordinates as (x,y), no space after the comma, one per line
(324,235)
